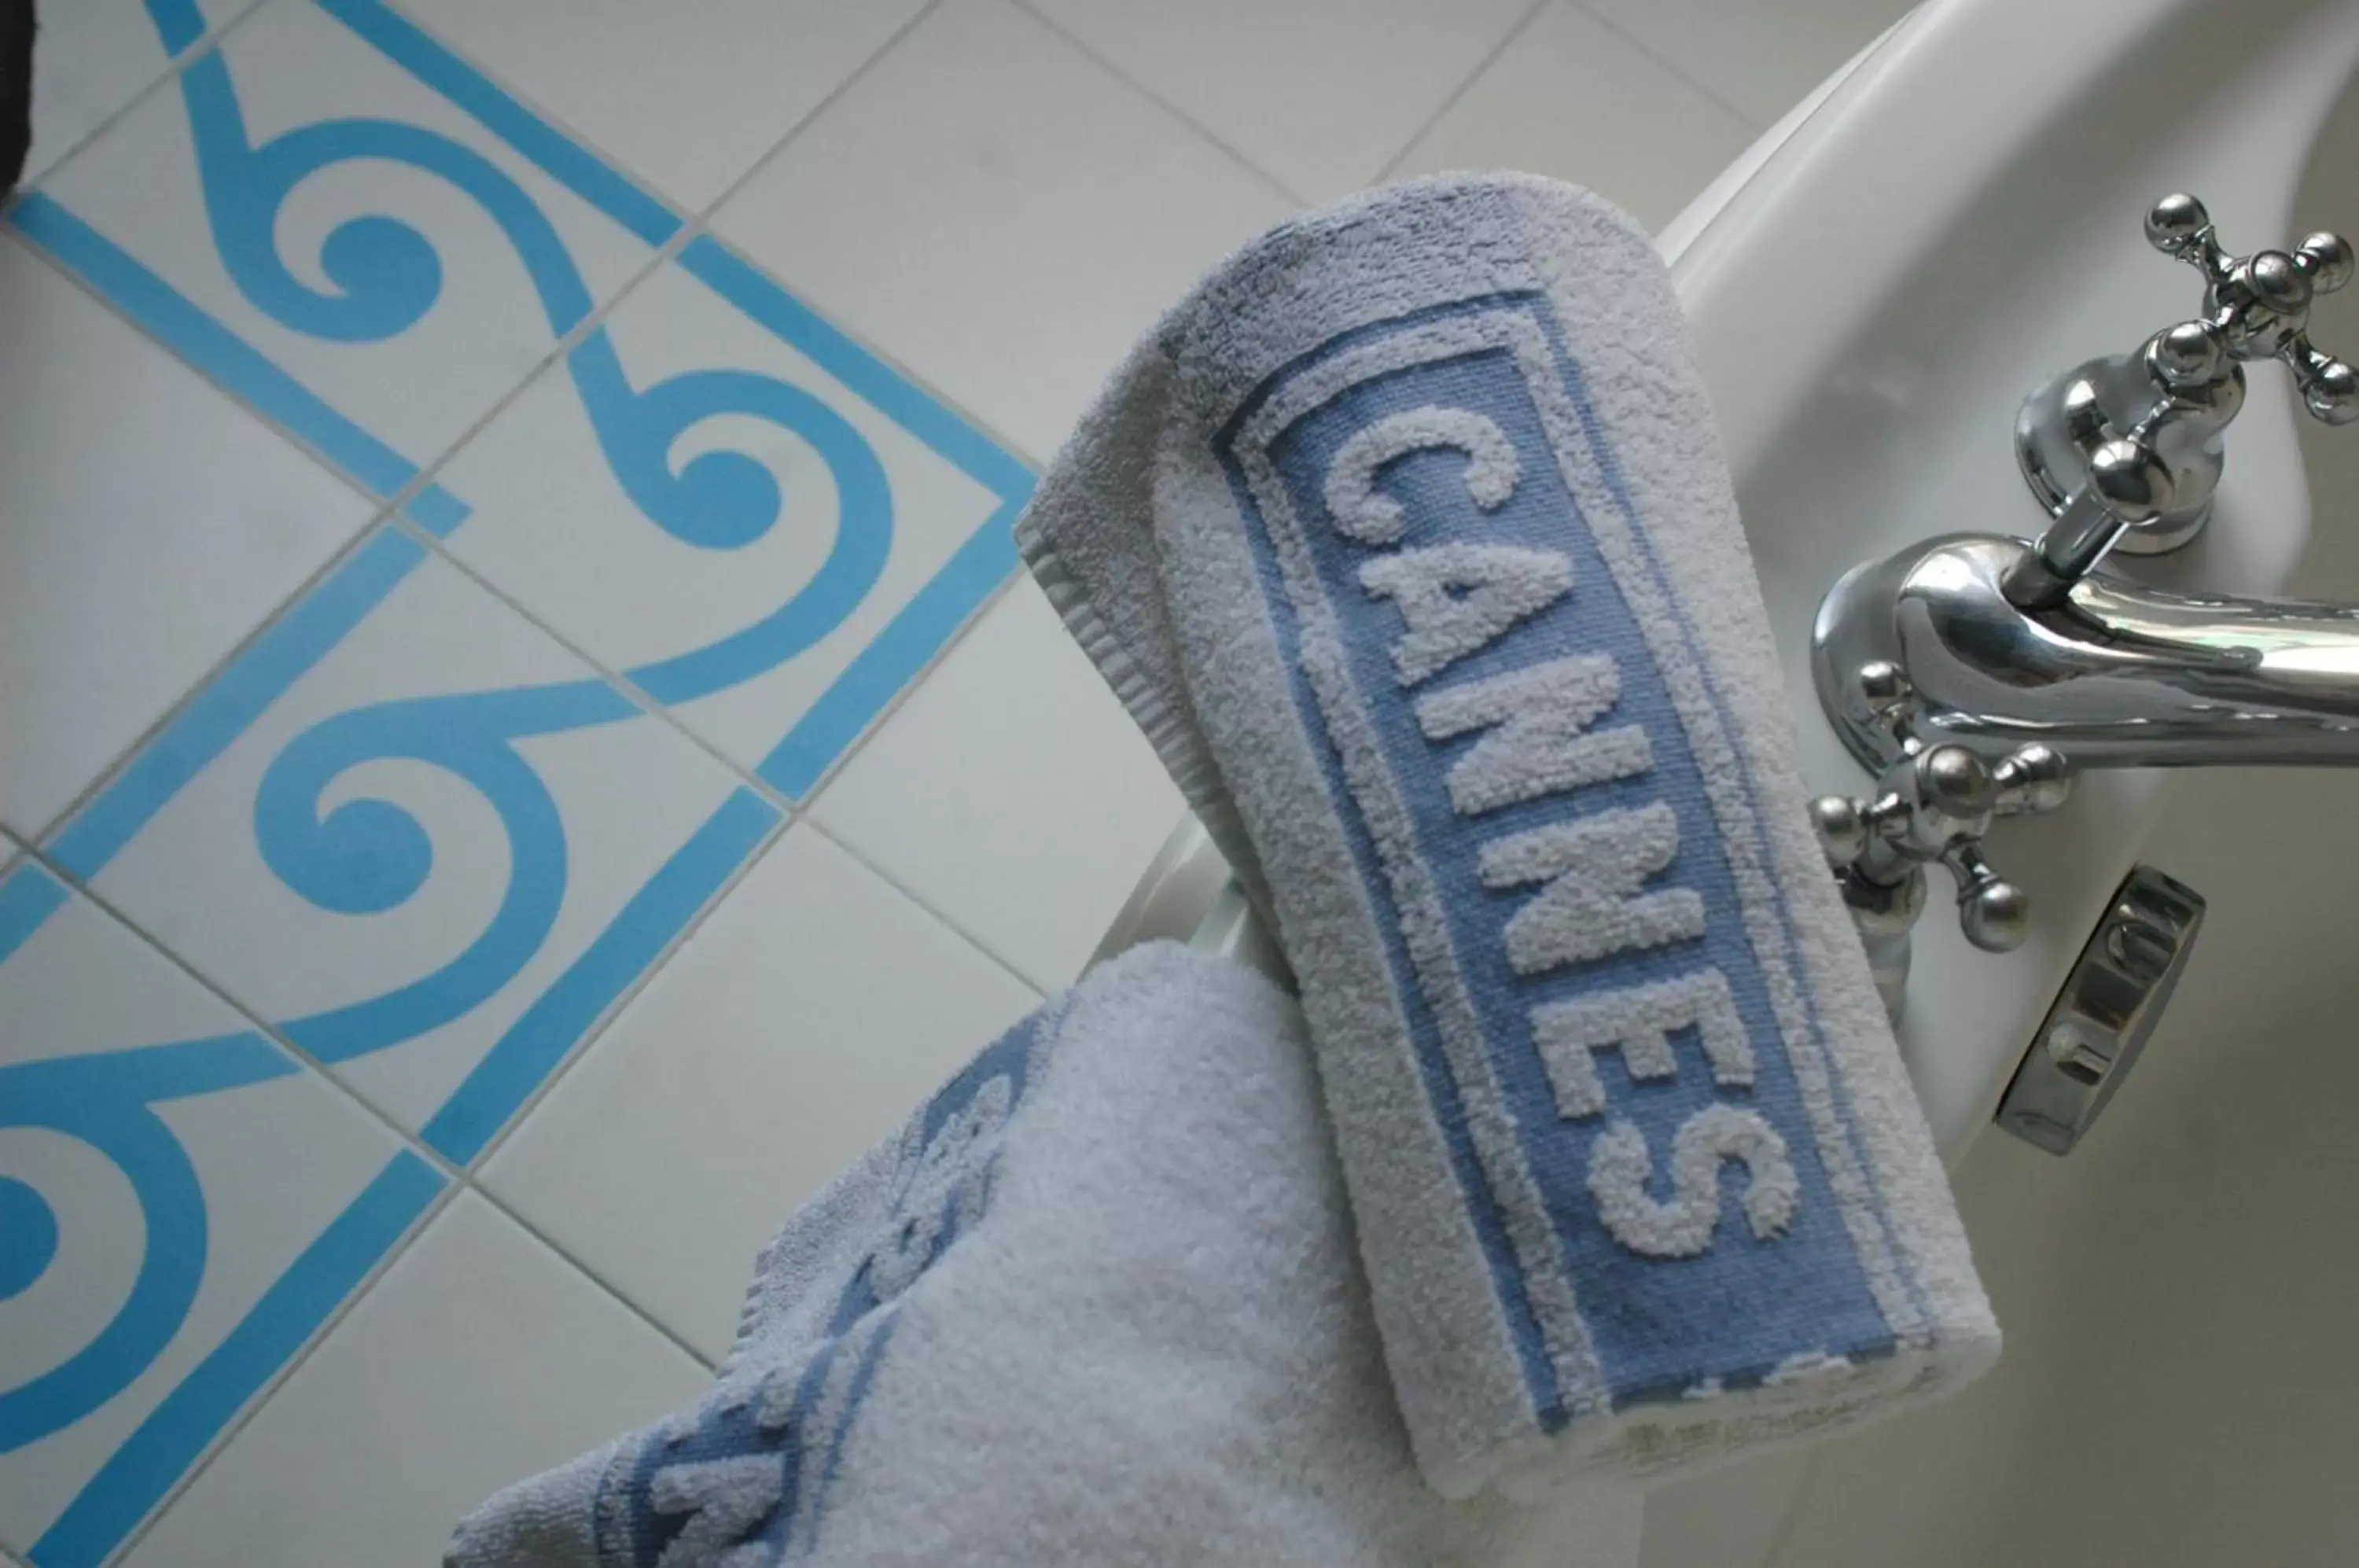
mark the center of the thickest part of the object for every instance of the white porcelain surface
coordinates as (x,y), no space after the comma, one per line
(419,389)
(481,1357)
(1758,56)
(279,1153)
(688,94)
(554,529)
(2176,1292)
(1321,100)
(999,212)
(1574,99)
(627,794)
(1011,792)
(149,524)
(785,1039)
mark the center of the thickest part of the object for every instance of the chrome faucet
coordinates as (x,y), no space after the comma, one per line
(1975,674)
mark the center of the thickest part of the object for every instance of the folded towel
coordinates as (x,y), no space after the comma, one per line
(1096,1304)
(1407,540)
(1405,537)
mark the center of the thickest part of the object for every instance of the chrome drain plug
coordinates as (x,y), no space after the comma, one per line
(2102,1020)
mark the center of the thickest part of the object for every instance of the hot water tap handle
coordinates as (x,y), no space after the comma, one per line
(1933,802)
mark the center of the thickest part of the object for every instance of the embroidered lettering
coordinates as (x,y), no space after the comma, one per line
(1363,513)
(1454,598)
(1638,1019)
(1542,742)
(1620,1164)
(1591,906)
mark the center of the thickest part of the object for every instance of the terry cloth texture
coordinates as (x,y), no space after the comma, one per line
(1096,1304)
(1407,540)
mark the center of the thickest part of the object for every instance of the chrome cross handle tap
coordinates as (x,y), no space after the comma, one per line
(2126,452)
(2260,303)
(1964,672)
(1932,803)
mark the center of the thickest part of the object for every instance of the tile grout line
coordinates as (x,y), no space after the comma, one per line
(613,1010)
(955,927)
(218,1443)
(699,224)
(1491,56)
(378,500)
(121,763)
(456,1177)
(173,66)
(605,1288)
(1105,63)
(1743,116)
(253,1020)
(392,506)
(702,222)
(648,707)
(790,811)
(454,1173)
(390,509)
(623,166)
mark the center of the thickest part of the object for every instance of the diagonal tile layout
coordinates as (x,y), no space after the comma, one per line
(417,834)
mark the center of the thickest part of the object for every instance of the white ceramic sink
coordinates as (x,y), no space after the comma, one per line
(1959,218)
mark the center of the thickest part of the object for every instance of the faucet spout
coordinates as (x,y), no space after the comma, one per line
(1973,676)
(2111,674)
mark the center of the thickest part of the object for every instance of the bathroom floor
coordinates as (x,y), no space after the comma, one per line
(520,749)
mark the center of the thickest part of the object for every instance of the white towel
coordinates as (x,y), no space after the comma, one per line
(1407,540)
(1096,1304)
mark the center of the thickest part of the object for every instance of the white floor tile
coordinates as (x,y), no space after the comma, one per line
(480,1358)
(1318,96)
(93,57)
(556,528)
(422,859)
(148,524)
(690,94)
(389,291)
(1761,55)
(1575,100)
(225,1157)
(802,1022)
(999,212)
(1012,793)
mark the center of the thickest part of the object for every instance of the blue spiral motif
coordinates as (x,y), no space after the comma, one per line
(388,275)
(107,1102)
(369,854)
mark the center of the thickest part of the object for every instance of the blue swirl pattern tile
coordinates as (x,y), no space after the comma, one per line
(429,845)
(181,1201)
(361,231)
(733,610)
(423,838)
